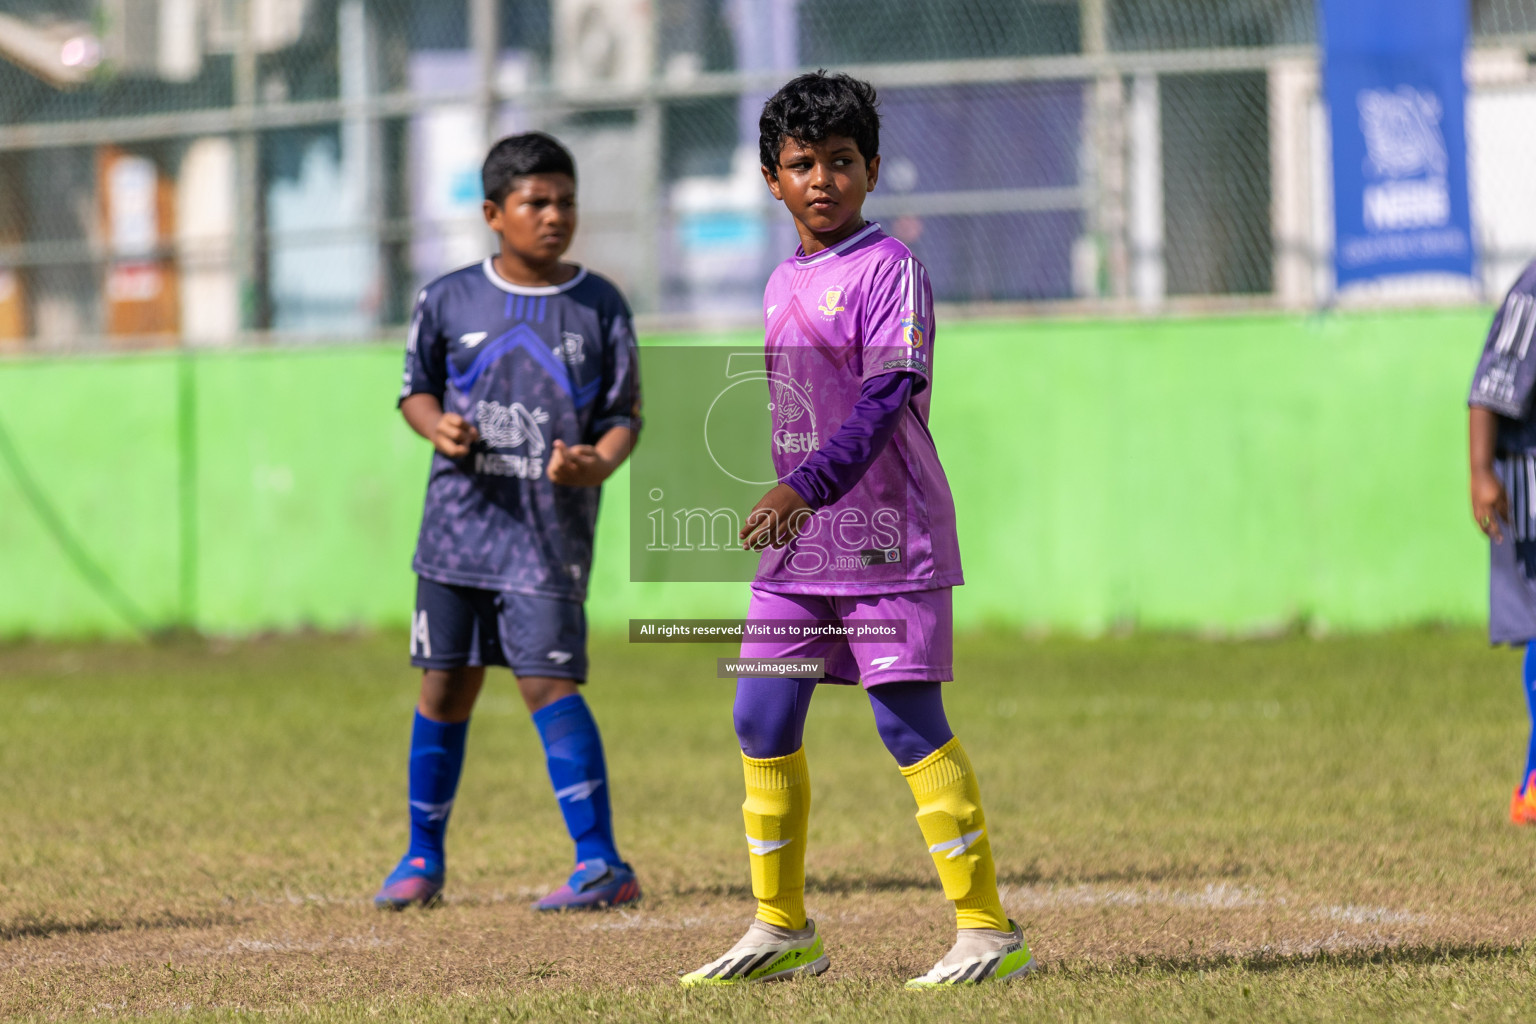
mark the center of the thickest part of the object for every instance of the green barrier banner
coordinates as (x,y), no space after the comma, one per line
(703,462)
(1232,474)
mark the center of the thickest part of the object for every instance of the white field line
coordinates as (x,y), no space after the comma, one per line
(640,920)
(1217,896)
(290,946)
(1352,914)
(291,899)
(175,952)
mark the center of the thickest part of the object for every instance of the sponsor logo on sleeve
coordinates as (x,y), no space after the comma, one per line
(912,330)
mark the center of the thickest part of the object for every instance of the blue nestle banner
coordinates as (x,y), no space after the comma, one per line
(1397,104)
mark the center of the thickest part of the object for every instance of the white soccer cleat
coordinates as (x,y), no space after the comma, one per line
(981,954)
(766,953)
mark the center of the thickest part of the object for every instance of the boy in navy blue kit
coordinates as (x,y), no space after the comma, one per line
(521,371)
(1502,441)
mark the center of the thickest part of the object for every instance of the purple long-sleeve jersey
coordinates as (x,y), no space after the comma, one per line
(837,321)
(834,469)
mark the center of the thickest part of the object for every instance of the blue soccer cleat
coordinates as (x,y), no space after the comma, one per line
(593,885)
(415,880)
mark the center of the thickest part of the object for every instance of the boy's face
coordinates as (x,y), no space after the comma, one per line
(823,183)
(537,219)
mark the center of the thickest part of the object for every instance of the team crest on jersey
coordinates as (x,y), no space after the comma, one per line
(572,348)
(511,426)
(912,330)
(831,302)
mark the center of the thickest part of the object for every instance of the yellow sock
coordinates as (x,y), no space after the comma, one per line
(777,807)
(949,813)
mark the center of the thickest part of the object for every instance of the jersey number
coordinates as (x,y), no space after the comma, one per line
(420,636)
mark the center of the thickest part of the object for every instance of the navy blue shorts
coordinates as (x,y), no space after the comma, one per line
(456,627)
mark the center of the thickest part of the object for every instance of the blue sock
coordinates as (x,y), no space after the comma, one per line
(574,752)
(1530,701)
(910,718)
(770,714)
(437,755)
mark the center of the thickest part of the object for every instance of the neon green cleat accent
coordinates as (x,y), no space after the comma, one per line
(766,953)
(981,954)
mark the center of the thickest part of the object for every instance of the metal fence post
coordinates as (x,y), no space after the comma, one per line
(187,489)
(362,147)
(485,40)
(247,174)
(1105,174)
(647,284)
(1148,267)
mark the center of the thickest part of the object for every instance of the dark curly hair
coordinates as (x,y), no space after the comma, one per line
(817,105)
(519,155)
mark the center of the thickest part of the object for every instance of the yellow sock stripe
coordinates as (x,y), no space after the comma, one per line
(776,772)
(944,767)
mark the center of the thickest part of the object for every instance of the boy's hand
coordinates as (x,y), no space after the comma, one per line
(578,465)
(1490,505)
(453,435)
(776,519)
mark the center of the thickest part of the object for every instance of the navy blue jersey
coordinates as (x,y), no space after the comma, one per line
(1505,382)
(1506,372)
(525,366)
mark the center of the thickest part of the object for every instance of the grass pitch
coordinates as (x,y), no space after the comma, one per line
(1279,830)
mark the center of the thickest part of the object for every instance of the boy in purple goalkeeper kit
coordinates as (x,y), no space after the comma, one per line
(861,527)
(521,371)
(1502,442)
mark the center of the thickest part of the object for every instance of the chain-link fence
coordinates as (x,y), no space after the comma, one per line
(212,171)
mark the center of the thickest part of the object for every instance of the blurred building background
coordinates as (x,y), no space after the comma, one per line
(214,172)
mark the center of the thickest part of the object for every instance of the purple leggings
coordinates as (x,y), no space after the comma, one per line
(770,717)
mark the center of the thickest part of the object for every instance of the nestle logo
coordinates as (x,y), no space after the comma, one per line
(788,441)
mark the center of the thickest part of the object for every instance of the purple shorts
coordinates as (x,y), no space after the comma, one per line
(926,655)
